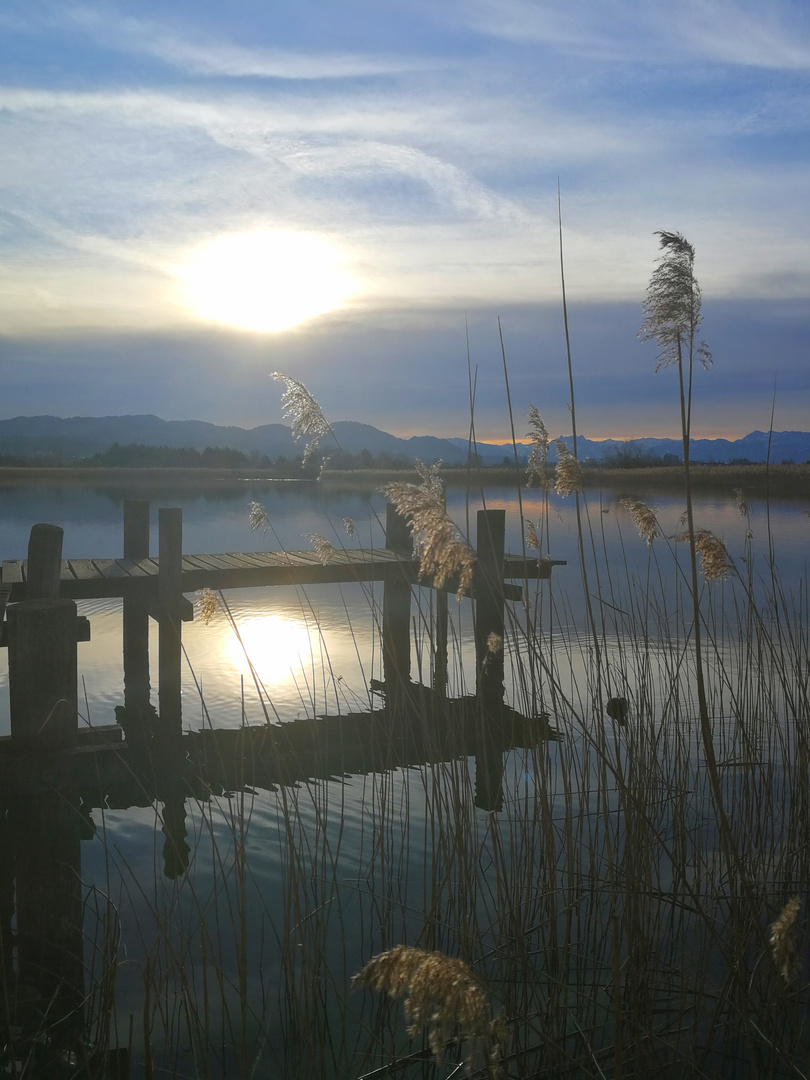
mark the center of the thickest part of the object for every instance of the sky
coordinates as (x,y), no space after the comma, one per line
(363,195)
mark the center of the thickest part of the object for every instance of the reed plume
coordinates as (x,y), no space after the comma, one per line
(441,994)
(714,559)
(322,547)
(301,408)
(569,471)
(644,519)
(784,939)
(441,550)
(257,516)
(207,604)
(537,468)
(672,304)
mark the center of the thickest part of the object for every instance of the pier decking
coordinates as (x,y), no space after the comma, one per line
(94,578)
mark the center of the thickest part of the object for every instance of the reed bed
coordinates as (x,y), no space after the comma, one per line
(637,903)
(609,925)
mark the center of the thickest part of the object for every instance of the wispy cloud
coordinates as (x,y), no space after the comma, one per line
(201,54)
(776,35)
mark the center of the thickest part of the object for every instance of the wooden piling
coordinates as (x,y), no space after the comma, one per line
(44,562)
(42,682)
(396,633)
(42,634)
(489,602)
(489,655)
(440,643)
(136,611)
(170,649)
(49,919)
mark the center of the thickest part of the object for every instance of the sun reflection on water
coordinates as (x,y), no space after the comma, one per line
(274,644)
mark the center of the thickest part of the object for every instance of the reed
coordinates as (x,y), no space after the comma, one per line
(635,907)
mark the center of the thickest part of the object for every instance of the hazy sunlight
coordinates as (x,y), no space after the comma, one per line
(265,281)
(275,645)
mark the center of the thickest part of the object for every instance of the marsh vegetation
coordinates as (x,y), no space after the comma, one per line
(634,905)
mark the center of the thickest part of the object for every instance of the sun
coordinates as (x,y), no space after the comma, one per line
(265,280)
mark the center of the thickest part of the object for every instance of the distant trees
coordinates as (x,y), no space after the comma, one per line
(630,456)
(139,456)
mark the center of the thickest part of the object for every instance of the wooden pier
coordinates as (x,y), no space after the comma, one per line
(52,772)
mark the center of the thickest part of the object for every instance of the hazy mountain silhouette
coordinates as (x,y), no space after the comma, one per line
(78,437)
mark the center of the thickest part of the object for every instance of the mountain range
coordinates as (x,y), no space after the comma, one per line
(77,437)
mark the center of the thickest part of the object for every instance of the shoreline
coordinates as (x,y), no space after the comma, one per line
(781,479)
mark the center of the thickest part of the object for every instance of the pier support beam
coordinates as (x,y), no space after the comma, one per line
(396,633)
(136,611)
(42,654)
(170,648)
(489,655)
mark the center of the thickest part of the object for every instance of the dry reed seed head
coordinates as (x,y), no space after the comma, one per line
(304,412)
(350,527)
(430,479)
(494,643)
(644,519)
(569,471)
(784,938)
(322,547)
(742,502)
(714,559)
(441,551)
(207,604)
(531,536)
(443,994)
(537,467)
(258,516)
(672,303)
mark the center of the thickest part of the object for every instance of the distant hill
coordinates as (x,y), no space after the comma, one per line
(39,437)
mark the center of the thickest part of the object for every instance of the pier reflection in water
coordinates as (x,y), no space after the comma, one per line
(59,980)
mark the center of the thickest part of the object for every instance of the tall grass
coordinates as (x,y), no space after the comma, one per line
(636,907)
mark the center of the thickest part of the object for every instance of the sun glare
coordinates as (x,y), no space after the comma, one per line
(265,281)
(275,645)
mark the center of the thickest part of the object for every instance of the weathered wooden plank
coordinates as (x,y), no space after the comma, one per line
(516,566)
(65,573)
(136,567)
(83,569)
(260,558)
(212,562)
(95,578)
(110,569)
(146,567)
(12,572)
(5,597)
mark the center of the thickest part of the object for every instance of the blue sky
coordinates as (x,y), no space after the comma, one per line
(413,149)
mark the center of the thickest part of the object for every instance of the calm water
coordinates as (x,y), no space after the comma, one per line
(316,649)
(318,898)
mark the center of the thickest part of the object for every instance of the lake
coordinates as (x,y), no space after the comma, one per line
(588,904)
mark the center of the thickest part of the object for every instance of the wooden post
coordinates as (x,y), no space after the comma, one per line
(440,644)
(49,911)
(170,650)
(44,562)
(136,611)
(396,632)
(42,680)
(489,637)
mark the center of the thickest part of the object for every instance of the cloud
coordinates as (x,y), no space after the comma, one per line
(201,54)
(774,36)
